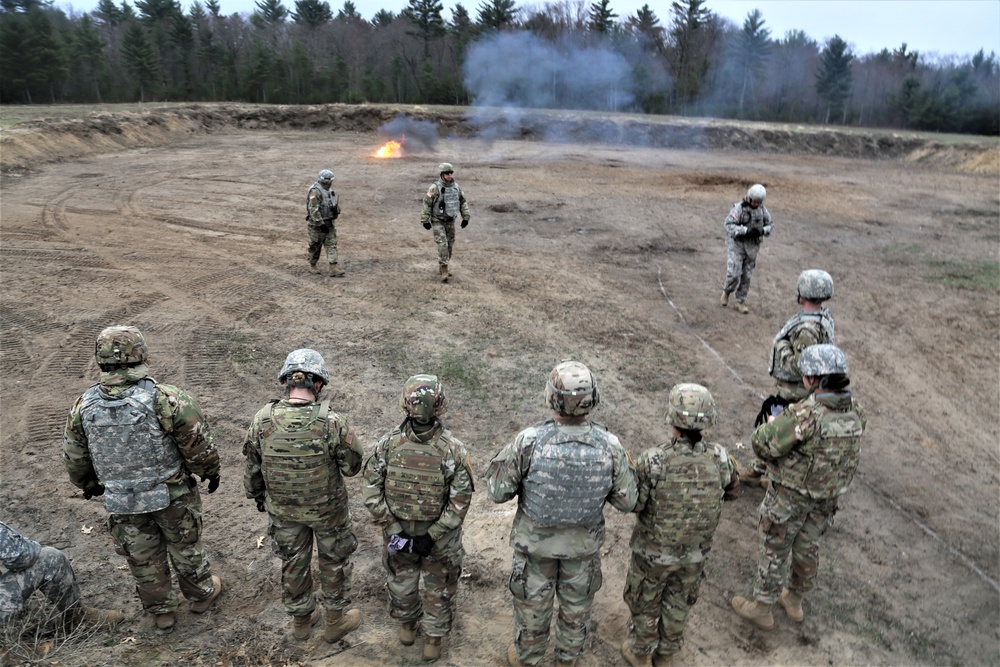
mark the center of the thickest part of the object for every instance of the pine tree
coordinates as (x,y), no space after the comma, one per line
(752,49)
(834,79)
(426,21)
(601,18)
(496,15)
(312,13)
(140,59)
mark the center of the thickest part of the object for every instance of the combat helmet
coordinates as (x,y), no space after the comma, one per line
(120,346)
(423,398)
(815,285)
(825,359)
(691,407)
(309,362)
(325,176)
(571,389)
(445,167)
(757,193)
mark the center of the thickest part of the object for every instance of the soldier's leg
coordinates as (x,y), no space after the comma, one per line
(316,239)
(334,545)
(579,581)
(777,529)
(746,274)
(533,585)
(805,550)
(403,582)
(449,229)
(180,523)
(331,245)
(441,241)
(680,594)
(442,569)
(643,592)
(141,541)
(51,573)
(734,266)
(293,543)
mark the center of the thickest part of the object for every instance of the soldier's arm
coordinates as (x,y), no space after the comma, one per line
(17,552)
(644,481)
(460,488)
(181,418)
(624,492)
(503,475)
(463,205)
(799,340)
(425,209)
(775,439)
(732,224)
(312,205)
(373,491)
(730,474)
(253,476)
(76,452)
(349,452)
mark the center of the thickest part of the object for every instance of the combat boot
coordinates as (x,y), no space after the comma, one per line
(313,268)
(724,300)
(201,606)
(166,621)
(512,658)
(432,648)
(742,307)
(756,612)
(752,477)
(444,273)
(663,660)
(335,271)
(635,660)
(792,602)
(339,624)
(302,625)
(408,633)
(93,617)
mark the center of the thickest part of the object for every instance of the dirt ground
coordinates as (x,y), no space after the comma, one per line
(612,254)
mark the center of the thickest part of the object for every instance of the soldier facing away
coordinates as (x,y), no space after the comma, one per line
(297,451)
(562,471)
(444,202)
(322,209)
(812,450)
(418,488)
(682,485)
(138,443)
(746,225)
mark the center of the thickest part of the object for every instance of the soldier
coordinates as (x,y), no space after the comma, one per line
(297,452)
(746,225)
(812,450)
(418,487)
(813,325)
(322,208)
(681,488)
(444,202)
(29,567)
(562,471)
(137,443)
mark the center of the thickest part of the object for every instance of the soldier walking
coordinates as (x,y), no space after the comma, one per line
(746,225)
(138,443)
(322,209)
(297,452)
(418,486)
(562,471)
(444,202)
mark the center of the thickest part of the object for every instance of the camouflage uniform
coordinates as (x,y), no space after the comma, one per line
(802,330)
(745,227)
(561,560)
(323,208)
(169,525)
(27,566)
(296,456)
(681,488)
(441,210)
(448,495)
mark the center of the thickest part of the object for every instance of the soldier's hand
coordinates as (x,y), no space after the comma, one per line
(260,504)
(741,230)
(213,483)
(95,489)
(400,542)
(422,545)
(427,224)
(465,223)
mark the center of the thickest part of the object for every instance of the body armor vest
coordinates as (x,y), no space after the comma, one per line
(132,455)
(327,201)
(825,321)
(415,487)
(569,477)
(824,466)
(448,204)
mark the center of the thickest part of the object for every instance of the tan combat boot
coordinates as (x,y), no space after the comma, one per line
(339,624)
(756,612)
(444,273)
(792,602)
(724,300)
(335,271)
(512,658)
(313,268)
(635,660)
(751,477)
(742,307)
(93,617)
(432,648)
(166,621)
(201,606)
(302,625)
(408,633)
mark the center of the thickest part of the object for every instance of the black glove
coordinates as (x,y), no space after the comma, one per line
(213,482)
(427,225)
(422,545)
(260,504)
(95,489)
(465,223)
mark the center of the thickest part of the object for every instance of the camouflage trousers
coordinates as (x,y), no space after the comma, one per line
(444,239)
(741,258)
(789,530)
(148,540)
(51,573)
(293,543)
(441,571)
(659,597)
(534,583)
(318,240)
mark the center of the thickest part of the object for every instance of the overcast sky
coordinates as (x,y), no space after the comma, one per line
(933,27)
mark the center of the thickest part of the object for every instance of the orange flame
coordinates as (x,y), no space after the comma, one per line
(391,149)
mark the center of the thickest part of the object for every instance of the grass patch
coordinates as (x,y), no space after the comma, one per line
(974,276)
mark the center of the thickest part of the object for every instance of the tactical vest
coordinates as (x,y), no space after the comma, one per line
(296,461)
(823,318)
(132,456)
(823,466)
(327,202)
(415,487)
(569,477)
(448,203)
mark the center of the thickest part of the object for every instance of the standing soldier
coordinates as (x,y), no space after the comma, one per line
(297,451)
(681,488)
(562,471)
(812,450)
(813,325)
(418,487)
(322,209)
(444,202)
(137,443)
(746,225)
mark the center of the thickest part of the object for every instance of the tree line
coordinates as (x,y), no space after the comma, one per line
(692,62)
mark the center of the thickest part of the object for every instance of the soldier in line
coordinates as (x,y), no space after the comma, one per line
(138,443)
(418,486)
(682,485)
(746,225)
(813,325)
(28,566)
(297,451)
(322,209)
(563,471)
(444,202)
(812,450)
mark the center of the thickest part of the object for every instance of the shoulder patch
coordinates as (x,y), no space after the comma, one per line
(430,193)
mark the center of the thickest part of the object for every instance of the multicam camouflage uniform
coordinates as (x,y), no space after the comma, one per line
(323,208)
(296,456)
(421,483)
(681,488)
(442,204)
(156,509)
(745,227)
(27,566)
(552,559)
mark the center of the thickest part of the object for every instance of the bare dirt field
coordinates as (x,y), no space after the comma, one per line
(189,224)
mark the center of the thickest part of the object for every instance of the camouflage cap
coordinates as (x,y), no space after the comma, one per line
(445,167)
(815,285)
(120,346)
(822,359)
(423,397)
(571,389)
(325,176)
(691,406)
(307,361)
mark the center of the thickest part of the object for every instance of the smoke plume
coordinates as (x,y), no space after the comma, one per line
(413,134)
